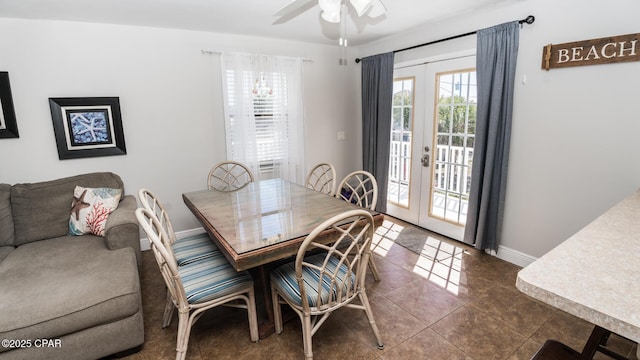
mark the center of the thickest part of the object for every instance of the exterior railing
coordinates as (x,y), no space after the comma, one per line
(453,169)
(452,166)
(400,164)
(451,179)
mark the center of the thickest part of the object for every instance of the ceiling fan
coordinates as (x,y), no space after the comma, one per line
(334,10)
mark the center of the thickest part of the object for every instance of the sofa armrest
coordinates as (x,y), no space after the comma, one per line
(122,229)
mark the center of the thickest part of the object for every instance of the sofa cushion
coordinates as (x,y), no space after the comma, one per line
(41,210)
(4,252)
(6,220)
(90,209)
(63,285)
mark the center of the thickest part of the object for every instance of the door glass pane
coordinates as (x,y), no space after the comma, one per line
(442,140)
(406,117)
(397,119)
(456,106)
(458,143)
(444,119)
(401,134)
(445,85)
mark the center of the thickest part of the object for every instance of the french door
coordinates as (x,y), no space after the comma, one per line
(432,137)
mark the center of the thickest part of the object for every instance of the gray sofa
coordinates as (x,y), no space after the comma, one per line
(67,297)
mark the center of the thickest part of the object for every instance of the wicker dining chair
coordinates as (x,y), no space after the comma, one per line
(185,250)
(361,188)
(322,178)
(229,176)
(198,286)
(316,285)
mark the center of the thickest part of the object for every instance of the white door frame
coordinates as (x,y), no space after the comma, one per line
(423,121)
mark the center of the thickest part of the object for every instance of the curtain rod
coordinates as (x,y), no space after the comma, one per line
(529,20)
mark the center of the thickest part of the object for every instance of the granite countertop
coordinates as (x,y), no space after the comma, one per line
(594,274)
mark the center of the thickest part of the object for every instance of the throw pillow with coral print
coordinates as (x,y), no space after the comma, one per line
(91,208)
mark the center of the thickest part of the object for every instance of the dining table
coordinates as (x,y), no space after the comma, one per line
(263,224)
(594,275)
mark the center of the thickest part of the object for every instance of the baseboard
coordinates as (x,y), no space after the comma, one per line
(513,256)
(144,242)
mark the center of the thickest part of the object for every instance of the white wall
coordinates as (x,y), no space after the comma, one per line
(574,147)
(170,97)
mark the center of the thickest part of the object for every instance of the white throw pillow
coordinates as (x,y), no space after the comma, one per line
(91,208)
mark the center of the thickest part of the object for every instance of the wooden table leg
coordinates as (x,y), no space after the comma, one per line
(266,327)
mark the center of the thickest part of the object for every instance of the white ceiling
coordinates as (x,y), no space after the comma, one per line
(247,17)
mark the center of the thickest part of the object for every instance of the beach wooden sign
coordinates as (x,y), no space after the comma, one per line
(622,48)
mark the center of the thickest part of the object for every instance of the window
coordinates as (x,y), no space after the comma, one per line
(263,113)
(269,115)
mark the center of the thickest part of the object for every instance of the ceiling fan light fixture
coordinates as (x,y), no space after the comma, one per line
(329,5)
(330,10)
(332,17)
(361,6)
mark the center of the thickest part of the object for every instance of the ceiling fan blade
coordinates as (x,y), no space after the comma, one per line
(377,9)
(292,6)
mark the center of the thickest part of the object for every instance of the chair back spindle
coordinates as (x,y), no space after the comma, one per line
(322,178)
(359,188)
(229,176)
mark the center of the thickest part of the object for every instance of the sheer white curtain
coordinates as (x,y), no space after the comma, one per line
(264,114)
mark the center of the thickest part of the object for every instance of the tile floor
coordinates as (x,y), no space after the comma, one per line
(437,299)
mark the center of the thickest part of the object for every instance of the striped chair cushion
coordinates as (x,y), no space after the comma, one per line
(284,277)
(194,248)
(212,278)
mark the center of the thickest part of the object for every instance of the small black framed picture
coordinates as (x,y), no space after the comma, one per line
(8,125)
(87,127)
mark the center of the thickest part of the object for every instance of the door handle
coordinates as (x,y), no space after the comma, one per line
(425,160)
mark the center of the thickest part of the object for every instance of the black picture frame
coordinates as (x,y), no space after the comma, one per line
(87,127)
(8,125)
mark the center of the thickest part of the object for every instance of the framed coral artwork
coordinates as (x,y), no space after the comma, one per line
(8,125)
(87,127)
